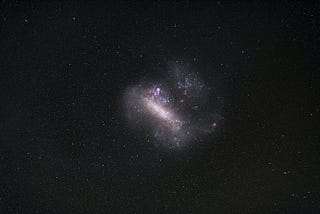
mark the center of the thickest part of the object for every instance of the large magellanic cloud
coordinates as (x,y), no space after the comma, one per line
(173,109)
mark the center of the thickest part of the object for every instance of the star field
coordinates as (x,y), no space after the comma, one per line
(159,107)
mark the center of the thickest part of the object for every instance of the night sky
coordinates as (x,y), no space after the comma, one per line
(66,145)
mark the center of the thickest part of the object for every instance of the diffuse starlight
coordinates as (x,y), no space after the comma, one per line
(171,112)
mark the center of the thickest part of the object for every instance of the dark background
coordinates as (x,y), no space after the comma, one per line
(66,147)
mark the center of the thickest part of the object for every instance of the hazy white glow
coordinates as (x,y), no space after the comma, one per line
(162,113)
(158,110)
(174,110)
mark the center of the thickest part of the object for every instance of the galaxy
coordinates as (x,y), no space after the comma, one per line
(173,110)
(159,107)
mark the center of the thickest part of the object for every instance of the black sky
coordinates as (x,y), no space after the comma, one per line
(66,147)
